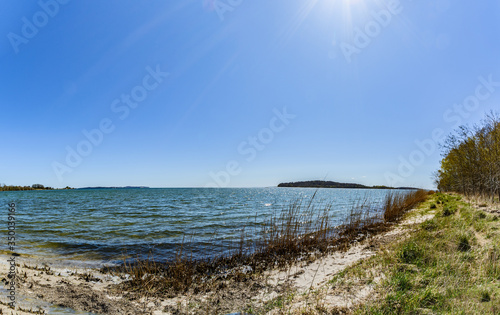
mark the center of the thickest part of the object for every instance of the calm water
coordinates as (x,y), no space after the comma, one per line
(105,225)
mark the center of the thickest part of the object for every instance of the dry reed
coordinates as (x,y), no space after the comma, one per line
(291,235)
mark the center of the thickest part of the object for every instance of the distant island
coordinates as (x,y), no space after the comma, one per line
(330,184)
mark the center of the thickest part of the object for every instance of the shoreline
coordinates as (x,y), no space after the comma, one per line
(50,284)
(90,289)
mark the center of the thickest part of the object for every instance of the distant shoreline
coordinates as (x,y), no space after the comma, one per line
(26,188)
(125,187)
(330,184)
(304,184)
(30,188)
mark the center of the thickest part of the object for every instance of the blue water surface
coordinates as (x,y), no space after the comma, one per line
(106,225)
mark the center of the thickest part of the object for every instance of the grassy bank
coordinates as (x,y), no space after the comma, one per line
(449,264)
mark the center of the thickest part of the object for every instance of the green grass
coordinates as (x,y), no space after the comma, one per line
(448,265)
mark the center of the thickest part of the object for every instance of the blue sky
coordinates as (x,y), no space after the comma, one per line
(239,93)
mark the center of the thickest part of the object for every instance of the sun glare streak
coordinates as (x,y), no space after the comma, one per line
(299,18)
(345,13)
(355,19)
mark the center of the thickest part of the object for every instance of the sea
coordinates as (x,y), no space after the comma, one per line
(107,226)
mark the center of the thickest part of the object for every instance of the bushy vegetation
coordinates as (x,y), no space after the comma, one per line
(471,163)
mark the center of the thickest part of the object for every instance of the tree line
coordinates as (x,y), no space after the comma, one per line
(4,187)
(471,160)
